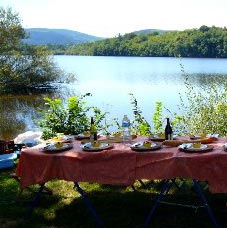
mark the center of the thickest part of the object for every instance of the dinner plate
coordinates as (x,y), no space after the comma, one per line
(62,139)
(139,147)
(53,148)
(82,136)
(197,137)
(188,148)
(155,138)
(103,146)
(206,136)
(67,138)
(114,139)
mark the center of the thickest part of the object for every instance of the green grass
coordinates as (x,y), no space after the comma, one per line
(118,207)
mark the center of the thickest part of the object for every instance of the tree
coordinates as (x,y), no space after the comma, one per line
(11,31)
(24,68)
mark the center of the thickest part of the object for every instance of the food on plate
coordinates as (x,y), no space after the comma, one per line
(56,139)
(58,145)
(179,142)
(206,140)
(147,144)
(96,144)
(86,133)
(196,145)
(173,142)
(201,135)
(161,135)
(198,136)
(117,134)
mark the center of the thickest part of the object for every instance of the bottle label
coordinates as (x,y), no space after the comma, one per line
(125,124)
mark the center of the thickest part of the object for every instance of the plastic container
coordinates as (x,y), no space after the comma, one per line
(7,160)
(126,130)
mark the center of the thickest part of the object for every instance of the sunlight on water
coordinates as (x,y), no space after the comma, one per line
(110,80)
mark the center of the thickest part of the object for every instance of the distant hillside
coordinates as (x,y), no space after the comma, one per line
(205,42)
(39,36)
(145,31)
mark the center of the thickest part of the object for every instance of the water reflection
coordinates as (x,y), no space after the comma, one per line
(205,80)
(110,79)
(19,113)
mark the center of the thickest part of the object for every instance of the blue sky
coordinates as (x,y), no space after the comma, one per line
(108,18)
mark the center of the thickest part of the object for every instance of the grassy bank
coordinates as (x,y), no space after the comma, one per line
(117,206)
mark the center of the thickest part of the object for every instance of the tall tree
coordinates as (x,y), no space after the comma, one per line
(11,31)
(24,68)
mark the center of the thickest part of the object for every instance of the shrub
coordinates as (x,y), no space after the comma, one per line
(205,108)
(70,120)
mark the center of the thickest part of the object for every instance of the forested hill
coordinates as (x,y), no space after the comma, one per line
(43,36)
(203,42)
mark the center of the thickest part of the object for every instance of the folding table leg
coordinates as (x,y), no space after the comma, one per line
(35,201)
(87,202)
(166,186)
(203,199)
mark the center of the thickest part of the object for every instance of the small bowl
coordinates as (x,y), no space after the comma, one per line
(117,134)
(196,145)
(58,145)
(96,144)
(147,144)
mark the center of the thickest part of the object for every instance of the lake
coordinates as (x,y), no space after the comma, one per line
(110,80)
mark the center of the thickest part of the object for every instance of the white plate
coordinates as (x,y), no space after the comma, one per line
(63,139)
(139,146)
(82,136)
(53,148)
(190,146)
(88,146)
(112,136)
(160,139)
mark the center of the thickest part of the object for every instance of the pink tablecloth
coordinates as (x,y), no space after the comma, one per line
(122,166)
(115,166)
(170,163)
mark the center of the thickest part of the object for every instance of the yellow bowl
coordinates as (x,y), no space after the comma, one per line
(58,145)
(56,139)
(161,135)
(196,145)
(117,134)
(146,144)
(86,134)
(96,144)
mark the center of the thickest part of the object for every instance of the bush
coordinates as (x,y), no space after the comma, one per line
(24,68)
(70,120)
(205,108)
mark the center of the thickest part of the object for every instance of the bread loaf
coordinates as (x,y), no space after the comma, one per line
(173,143)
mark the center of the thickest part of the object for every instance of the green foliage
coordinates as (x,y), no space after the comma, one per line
(24,68)
(158,118)
(139,125)
(205,109)
(70,120)
(10,31)
(203,42)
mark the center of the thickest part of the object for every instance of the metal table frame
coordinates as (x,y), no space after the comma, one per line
(79,190)
(167,184)
(165,189)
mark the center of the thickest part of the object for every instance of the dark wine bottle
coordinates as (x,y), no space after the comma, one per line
(93,130)
(168,131)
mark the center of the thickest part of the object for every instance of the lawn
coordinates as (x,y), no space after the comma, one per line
(118,206)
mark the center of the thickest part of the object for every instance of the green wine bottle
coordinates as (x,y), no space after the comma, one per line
(93,130)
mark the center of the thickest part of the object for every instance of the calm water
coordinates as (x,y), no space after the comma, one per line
(110,80)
